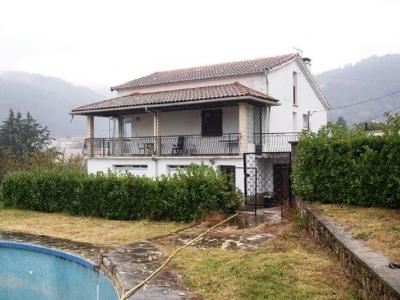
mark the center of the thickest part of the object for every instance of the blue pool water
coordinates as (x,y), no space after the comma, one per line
(35,273)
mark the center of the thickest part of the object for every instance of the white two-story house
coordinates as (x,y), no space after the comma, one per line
(213,114)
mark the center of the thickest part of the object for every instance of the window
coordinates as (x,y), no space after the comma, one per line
(131,169)
(295,100)
(127,127)
(172,169)
(113,127)
(306,121)
(294,122)
(211,122)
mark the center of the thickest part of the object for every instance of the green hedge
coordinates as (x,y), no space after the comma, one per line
(337,165)
(186,196)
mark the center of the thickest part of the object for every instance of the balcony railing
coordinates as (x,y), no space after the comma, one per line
(182,145)
(274,142)
(188,145)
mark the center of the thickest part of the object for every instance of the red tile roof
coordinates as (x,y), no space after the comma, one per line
(197,95)
(211,71)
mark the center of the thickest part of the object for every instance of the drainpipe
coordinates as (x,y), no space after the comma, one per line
(266,81)
(268,107)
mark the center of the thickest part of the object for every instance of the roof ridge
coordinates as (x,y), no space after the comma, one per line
(255,65)
(227,62)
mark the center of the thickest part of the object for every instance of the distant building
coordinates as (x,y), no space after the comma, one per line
(69,146)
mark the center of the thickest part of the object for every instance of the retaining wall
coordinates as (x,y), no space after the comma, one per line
(366,267)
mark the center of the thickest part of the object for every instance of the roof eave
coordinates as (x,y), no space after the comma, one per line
(138,107)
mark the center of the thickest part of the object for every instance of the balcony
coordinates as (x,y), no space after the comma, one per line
(188,145)
(182,145)
(274,142)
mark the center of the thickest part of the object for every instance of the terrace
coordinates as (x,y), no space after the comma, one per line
(187,145)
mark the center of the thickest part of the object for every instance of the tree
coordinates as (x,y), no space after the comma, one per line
(371,126)
(23,135)
(341,121)
(392,123)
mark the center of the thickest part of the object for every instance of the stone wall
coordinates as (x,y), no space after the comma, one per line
(368,269)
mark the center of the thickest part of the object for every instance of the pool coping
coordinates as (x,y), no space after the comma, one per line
(63,255)
(57,253)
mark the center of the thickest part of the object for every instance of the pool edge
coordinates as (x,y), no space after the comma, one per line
(112,276)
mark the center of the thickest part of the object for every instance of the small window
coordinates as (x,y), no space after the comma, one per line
(131,169)
(306,121)
(211,122)
(295,88)
(294,122)
(172,169)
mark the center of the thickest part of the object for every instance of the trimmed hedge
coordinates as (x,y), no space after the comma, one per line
(186,196)
(337,165)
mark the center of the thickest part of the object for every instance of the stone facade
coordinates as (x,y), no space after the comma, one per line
(368,269)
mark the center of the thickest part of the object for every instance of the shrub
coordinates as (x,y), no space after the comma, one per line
(337,165)
(188,195)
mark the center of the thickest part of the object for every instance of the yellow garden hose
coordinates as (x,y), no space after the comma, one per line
(137,287)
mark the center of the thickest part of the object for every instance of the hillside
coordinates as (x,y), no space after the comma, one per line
(48,99)
(369,78)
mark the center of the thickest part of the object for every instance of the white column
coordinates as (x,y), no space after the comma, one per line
(156,132)
(243,127)
(90,134)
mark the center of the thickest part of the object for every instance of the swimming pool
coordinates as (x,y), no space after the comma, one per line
(29,272)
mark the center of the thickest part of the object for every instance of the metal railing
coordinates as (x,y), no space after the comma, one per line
(177,145)
(140,146)
(274,142)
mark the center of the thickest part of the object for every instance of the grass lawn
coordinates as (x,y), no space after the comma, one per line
(290,267)
(378,227)
(84,229)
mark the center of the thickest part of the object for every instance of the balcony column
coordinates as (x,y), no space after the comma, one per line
(90,134)
(120,143)
(120,127)
(243,127)
(156,133)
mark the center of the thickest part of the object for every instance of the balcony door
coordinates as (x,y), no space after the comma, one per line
(211,122)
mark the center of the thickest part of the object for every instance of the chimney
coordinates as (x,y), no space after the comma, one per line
(307,62)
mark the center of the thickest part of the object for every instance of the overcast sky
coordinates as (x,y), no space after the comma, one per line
(103,43)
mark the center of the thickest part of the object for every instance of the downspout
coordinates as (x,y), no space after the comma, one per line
(268,107)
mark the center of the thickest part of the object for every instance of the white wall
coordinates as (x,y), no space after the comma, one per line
(183,122)
(280,87)
(158,167)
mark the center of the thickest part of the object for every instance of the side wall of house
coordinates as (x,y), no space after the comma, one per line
(280,83)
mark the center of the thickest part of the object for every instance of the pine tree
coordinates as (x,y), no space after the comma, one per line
(23,135)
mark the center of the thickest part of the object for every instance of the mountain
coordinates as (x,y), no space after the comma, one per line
(370,78)
(49,100)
